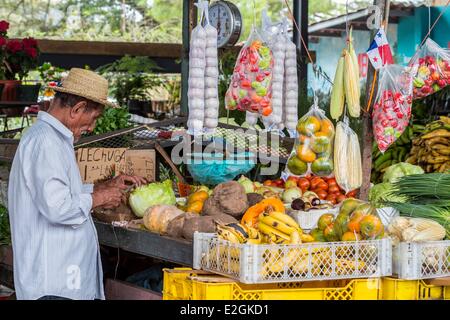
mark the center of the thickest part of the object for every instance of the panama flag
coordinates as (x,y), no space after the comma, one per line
(380,52)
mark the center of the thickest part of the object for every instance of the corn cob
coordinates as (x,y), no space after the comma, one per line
(351,49)
(351,86)
(337,93)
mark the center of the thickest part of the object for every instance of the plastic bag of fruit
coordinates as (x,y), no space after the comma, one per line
(356,220)
(313,149)
(431,66)
(392,109)
(251,83)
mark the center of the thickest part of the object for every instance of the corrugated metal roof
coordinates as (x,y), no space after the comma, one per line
(361,5)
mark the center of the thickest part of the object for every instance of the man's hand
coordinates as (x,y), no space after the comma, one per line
(122,182)
(107,197)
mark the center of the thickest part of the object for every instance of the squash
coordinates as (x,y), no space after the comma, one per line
(157,218)
(250,217)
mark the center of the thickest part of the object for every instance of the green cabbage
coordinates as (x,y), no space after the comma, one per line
(393,173)
(150,195)
(382,193)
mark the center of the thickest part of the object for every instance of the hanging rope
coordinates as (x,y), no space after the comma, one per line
(291,16)
(434,24)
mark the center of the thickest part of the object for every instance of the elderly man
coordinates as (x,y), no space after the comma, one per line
(55,245)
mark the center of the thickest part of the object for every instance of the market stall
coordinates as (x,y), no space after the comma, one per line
(341,215)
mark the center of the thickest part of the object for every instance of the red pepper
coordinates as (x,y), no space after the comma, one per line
(246,84)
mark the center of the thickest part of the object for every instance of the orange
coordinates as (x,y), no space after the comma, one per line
(327,127)
(198,196)
(371,226)
(330,233)
(308,126)
(354,225)
(351,236)
(195,207)
(304,140)
(325,220)
(306,154)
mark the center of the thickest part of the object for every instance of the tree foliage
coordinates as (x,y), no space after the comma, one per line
(123,20)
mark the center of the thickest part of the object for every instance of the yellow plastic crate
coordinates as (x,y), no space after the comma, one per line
(188,284)
(397,289)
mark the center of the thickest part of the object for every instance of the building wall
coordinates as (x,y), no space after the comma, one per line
(404,37)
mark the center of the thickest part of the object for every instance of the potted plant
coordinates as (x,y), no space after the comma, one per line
(131,80)
(18,57)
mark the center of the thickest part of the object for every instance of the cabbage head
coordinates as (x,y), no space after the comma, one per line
(393,173)
(150,195)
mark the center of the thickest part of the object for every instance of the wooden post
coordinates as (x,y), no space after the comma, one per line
(383,5)
(189,22)
(300,12)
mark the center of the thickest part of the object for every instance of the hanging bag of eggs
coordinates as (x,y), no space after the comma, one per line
(251,83)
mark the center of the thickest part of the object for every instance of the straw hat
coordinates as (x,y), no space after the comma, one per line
(86,84)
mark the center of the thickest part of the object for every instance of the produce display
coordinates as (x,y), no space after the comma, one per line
(431,66)
(346,85)
(423,196)
(347,157)
(392,109)
(313,150)
(431,150)
(251,83)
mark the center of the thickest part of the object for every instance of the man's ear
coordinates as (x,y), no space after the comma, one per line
(77,109)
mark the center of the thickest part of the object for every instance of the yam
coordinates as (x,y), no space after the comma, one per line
(227,198)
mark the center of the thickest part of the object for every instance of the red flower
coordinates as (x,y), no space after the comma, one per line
(29,43)
(32,52)
(2,41)
(14,46)
(4,26)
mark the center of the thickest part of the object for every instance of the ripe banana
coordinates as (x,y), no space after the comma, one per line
(286,219)
(233,232)
(278,224)
(270,231)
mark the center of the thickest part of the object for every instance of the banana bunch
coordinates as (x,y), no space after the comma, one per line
(280,228)
(431,150)
(397,153)
(238,233)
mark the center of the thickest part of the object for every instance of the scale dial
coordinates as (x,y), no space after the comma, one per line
(226,18)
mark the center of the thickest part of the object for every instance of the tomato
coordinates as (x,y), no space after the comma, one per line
(322,194)
(333,189)
(331,198)
(278,182)
(322,186)
(267,183)
(352,194)
(340,198)
(303,184)
(332,181)
(315,182)
(293,178)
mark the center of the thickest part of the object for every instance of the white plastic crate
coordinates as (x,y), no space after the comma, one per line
(426,260)
(307,220)
(254,264)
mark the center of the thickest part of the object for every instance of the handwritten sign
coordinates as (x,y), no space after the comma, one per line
(140,163)
(99,163)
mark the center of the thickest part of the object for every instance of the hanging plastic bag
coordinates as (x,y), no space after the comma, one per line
(272,33)
(347,157)
(211,119)
(313,149)
(392,109)
(196,82)
(290,96)
(431,65)
(251,83)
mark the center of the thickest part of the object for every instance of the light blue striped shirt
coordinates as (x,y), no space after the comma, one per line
(55,244)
